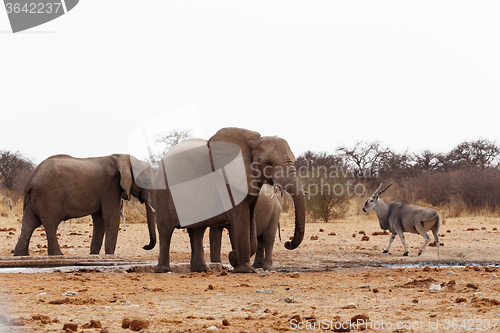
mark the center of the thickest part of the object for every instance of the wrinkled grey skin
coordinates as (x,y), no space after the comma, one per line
(270,153)
(266,216)
(63,187)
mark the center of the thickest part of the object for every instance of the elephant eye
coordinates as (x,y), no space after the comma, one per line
(269,163)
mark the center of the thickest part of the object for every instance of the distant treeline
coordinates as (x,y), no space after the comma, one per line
(464,180)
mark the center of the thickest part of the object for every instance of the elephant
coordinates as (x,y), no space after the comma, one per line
(64,187)
(259,160)
(266,216)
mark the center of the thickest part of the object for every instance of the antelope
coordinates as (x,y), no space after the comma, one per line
(8,202)
(401,216)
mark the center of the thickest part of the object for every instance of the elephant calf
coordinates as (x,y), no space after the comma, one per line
(266,216)
(64,187)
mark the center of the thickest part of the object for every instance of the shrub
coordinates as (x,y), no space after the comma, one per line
(434,188)
(14,171)
(327,198)
(478,188)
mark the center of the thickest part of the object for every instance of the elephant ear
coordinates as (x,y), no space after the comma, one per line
(125,169)
(246,140)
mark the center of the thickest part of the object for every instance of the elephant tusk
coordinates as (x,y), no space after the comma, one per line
(150,207)
(277,188)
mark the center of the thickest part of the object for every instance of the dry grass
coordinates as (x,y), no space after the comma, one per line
(17,207)
(4,211)
(135,212)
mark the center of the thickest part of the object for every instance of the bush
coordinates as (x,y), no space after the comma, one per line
(478,189)
(434,188)
(326,198)
(327,182)
(134,211)
(14,172)
(471,189)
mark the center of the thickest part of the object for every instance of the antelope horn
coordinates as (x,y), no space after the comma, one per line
(376,191)
(384,189)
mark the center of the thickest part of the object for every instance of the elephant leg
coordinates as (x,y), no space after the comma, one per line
(243,230)
(259,255)
(198,263)
(165,236)
(268,240)
(30,223)
(112,227)
(268,245)
(97,233)
(215,243)
(53,248)
(233,260)
(231,238)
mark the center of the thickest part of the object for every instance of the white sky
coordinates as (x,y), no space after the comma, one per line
(417,75)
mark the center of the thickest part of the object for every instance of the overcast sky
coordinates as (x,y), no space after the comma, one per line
(413,75)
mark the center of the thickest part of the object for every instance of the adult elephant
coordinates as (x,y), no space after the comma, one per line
(64,187)
(266,216)
(196,175)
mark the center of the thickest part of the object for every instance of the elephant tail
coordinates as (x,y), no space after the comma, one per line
(279,231)
(253,237)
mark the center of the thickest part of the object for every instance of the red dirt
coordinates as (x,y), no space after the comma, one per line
(329,280)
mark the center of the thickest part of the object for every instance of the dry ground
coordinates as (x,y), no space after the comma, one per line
(333,276)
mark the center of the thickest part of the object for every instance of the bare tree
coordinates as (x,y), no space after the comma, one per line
(481,153)
(14,170)
(169,140)
(319,161)
(365,157)
(427,161)
(397,166)
(173,138)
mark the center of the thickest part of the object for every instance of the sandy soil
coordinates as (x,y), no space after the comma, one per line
(332,277)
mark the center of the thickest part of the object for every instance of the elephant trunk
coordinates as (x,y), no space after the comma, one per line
(299,202)
(150,214)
